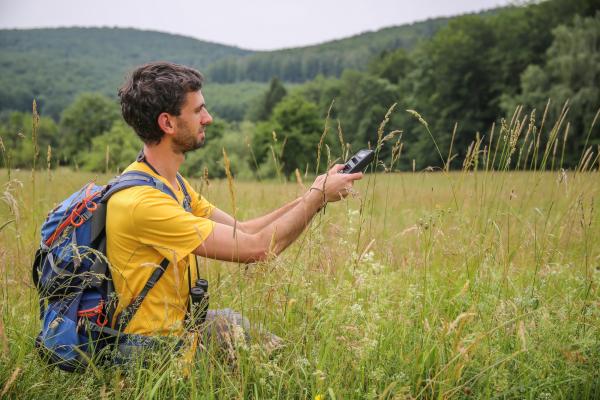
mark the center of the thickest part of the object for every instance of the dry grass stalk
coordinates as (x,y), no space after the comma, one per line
(249,146)
(564,144)
(49,160)
(554,135)
(10,381)
(491,142)
(342,143)
(323,135)
(382,125)
(328,157)
(299,178)
(522,332)
(590,131)
(450,149)
(5,157)
(231,188)
(274,156)
(3,337)
(34,133)
(588,161)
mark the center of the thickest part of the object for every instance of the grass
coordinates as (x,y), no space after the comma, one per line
(467,284)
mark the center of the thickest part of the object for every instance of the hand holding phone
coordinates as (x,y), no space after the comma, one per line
(358,162)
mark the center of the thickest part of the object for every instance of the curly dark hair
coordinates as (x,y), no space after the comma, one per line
(152,89)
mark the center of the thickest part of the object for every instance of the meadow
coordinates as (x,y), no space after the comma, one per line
(423,285)
(479,283)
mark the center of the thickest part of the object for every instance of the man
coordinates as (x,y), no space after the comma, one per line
(163,103)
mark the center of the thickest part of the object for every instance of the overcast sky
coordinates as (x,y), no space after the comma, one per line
(250,24)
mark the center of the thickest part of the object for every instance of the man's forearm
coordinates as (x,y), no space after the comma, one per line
(290,224)
(257,224)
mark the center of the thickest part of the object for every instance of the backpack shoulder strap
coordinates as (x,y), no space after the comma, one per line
(128,312)
(135,178)
(122,182)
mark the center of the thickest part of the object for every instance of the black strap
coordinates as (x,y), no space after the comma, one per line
(187,200)
(128,312)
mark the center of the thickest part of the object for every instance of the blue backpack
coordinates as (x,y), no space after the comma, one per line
(71,274)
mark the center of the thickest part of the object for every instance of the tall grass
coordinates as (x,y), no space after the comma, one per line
(479,283)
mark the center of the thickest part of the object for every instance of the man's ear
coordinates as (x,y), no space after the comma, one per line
(166,122)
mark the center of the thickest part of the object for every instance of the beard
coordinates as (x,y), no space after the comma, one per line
(186,140)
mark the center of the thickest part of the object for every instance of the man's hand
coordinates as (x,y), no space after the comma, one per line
(270,235)
(333,185)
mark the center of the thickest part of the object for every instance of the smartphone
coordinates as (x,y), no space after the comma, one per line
(358,162)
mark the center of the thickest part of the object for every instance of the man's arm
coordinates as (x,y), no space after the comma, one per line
(225,244)
(240,246)
(256,224)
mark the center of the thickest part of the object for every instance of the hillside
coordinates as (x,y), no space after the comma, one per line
(53,65)
(329,59)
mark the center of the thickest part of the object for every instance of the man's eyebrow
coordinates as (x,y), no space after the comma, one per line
(200,107)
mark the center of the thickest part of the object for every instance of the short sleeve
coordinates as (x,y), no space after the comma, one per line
(200,206)
(163,224)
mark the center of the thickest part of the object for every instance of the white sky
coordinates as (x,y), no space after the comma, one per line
(250,24)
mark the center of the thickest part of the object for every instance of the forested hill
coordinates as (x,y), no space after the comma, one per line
(53,65)
(330,59)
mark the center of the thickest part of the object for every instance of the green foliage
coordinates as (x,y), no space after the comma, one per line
(264,106)
(454,82)
(571,72)
(329,59)
(232,101)
(360,100)
(90,115)
(16,130)
(391,65)
(55,65)
(468,72)
(234,139)
(113,150)
(292,134)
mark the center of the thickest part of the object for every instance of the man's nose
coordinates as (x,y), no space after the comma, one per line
(206,118)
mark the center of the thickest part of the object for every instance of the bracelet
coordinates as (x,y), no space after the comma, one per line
(324,201)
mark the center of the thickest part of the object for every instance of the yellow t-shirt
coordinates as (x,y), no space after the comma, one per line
(144,226)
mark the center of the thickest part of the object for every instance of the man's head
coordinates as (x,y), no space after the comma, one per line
(165,98)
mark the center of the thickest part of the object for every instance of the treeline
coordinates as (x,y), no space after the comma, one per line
(329,59)
(96,60)
(465,84)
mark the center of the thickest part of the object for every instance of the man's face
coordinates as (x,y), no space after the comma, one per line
(194,117)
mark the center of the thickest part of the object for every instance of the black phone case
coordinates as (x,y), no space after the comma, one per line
(358,162)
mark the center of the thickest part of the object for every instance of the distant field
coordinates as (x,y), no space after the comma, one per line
(426,285)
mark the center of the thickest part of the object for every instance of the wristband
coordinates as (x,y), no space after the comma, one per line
(324,200)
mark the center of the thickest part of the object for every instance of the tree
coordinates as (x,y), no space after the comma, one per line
(297,127)
(570,72)
(454,82)
(363,102)
(90,115)
(264,107)
(16,133)
(392,66)
(114,150)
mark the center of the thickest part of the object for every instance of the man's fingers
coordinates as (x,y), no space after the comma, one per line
(355,176)
(336,168)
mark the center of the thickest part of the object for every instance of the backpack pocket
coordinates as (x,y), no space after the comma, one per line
(65,340)
(59,341)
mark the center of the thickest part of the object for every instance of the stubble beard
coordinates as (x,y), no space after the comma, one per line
(186,141)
